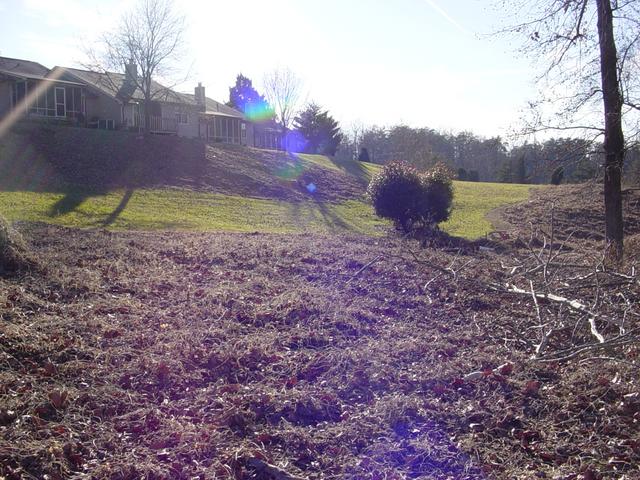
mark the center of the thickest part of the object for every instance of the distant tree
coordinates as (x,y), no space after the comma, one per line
(473,176)
(244,97)
(364,155)
(283,90)
(462,174)
(557,175)
(321,133)
(148,41)
(505,174)
(520,172)
(584,170)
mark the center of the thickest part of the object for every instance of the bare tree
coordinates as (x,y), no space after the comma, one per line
(148,41)
(283,90)
(590,50)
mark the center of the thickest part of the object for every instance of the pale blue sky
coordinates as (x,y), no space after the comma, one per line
(422,62)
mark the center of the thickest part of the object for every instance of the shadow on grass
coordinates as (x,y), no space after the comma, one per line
(71,200)
(354,168)
(333,221)
(74,198)
(113,216)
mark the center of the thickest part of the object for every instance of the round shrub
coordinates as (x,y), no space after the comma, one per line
(439,193)
(408,198)
(396,193)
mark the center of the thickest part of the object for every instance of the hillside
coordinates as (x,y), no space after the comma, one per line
(90,178)
(50,159)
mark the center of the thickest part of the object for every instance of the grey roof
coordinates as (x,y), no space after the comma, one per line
(22,68)
(115,85)
(213,107)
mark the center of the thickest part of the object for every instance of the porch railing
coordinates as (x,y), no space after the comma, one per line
(158,124)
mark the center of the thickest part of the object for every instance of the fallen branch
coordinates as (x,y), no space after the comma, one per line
(377,259)
(573,304)
(571,353)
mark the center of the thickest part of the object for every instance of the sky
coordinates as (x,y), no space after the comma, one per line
(422,63)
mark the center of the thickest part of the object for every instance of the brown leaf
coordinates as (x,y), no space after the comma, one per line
(531,388)
(50,369)
(58,398)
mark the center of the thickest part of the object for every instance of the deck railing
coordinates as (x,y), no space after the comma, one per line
(158,124)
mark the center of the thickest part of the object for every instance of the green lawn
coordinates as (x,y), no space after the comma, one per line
(473,200)
(361,170)
(177,209)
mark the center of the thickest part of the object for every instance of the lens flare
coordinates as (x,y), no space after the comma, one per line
(258,112)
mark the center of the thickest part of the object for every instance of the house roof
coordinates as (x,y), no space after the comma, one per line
(115,85)
(22,68)
(213,107)
(27,70)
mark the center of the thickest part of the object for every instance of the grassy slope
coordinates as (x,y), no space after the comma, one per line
(178,184)
(170,208)
(178,209)
(474,200)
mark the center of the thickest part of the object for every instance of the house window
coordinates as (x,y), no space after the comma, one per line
(19,92)
(44,103)
(243,130)
(182,118)
(61,108)
(74,102)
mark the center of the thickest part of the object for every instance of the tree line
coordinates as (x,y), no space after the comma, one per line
(312,129)
(476,158)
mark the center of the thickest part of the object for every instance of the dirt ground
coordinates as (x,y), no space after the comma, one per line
(200,356)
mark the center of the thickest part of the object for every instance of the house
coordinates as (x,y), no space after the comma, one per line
(111,100)
(29,89)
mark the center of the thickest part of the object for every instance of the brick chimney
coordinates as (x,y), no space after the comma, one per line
(201,99)
(131,72)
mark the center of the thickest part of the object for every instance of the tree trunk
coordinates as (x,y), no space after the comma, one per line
(147,115)
(613,136)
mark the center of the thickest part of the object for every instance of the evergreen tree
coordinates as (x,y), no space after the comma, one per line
(321,133)
(243,97)
(520,173)
(473,176)
(364,155)
(505,174)
(557,175)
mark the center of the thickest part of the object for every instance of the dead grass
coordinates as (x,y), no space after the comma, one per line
(180,356)
(14,253)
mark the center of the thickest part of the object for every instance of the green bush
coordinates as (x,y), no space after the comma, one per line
(439,193)
(410,199)
(557,176)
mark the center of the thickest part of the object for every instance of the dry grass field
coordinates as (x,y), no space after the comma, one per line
(168,355)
